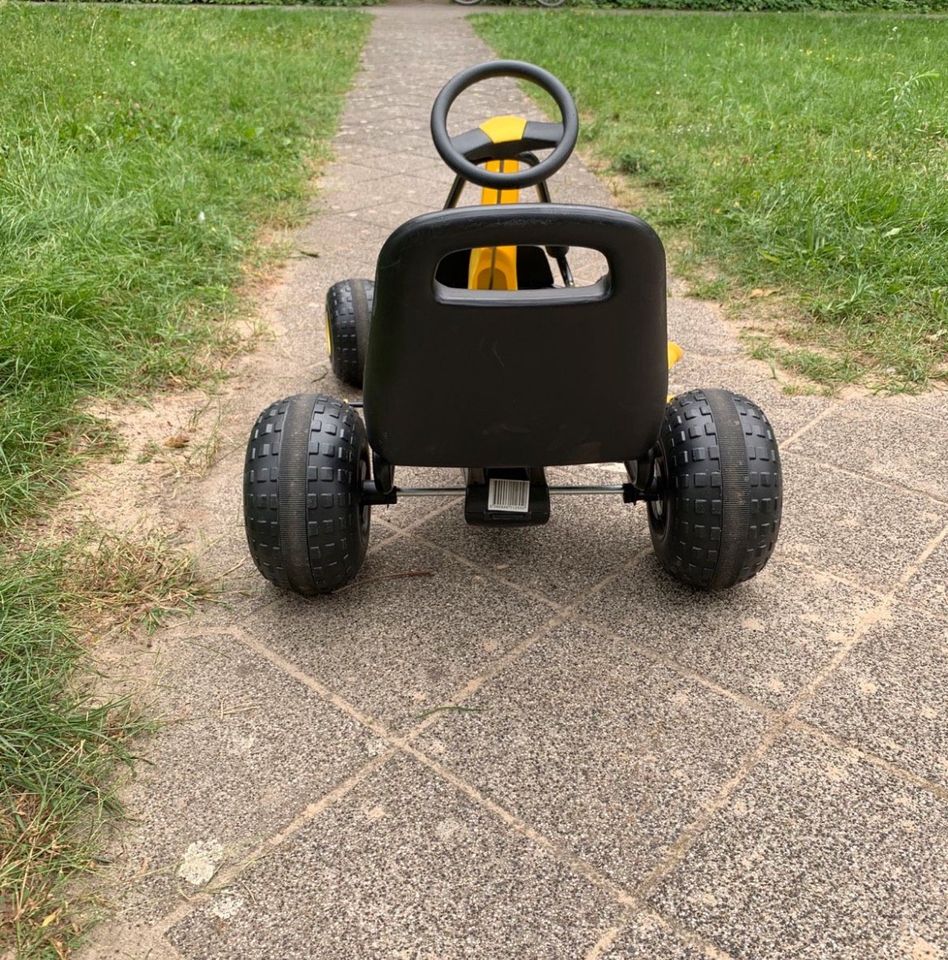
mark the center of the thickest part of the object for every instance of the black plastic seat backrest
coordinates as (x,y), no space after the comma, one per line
(522,378)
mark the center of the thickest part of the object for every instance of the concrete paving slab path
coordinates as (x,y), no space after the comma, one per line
(502,744)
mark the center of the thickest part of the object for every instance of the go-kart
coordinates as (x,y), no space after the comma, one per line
(473,356)
(543,3)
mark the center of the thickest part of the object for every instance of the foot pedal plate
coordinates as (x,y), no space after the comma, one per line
(505,496)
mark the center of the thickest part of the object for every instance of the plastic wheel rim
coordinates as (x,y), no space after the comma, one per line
(365,512)
(657,509)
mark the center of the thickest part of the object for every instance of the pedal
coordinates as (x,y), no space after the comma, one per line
(506,496)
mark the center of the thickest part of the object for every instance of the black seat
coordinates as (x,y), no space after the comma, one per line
(469,378)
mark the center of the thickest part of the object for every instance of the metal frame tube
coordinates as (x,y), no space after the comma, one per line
(574,490)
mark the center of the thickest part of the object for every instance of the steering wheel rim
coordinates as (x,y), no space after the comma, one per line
(518,70)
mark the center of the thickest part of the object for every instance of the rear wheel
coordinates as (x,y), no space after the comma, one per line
(306,526)
(348,316)
(718,470)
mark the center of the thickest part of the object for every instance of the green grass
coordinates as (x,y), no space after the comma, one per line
(900,6)
(56,750)
(800,152)
(266,3)
(141,153)
(60,740)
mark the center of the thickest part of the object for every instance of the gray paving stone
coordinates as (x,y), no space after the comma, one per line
(367,197)
(396,644)
(932,403)
(856,528)
(596,746)
(388,126)
(766,638)
(646,938)
(392,215)
(362,98)
(928,588)
(881,438)
(390,159)
(889,697)
(345,239)
(243,748)
(404,866)
(416,142)
(697,326)
(585,540)
(380,113)
(818,855)
(343,177)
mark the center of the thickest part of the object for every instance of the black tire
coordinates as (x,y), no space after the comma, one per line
(306,526)
(348,315)
(718,465)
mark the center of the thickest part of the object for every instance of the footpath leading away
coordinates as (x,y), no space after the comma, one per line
(533,744)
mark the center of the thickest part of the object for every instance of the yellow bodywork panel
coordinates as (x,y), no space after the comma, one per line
(495,268)
(675,353)
(504,129)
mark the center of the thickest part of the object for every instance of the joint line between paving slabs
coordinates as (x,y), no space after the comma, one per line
(227,875)
(404,745)
(397,744)
(833,740)
(807,566)
(444,508)
(822,415)
(605,942)
(497,578)
(565,615)
(561,853)
(785,721)
(637,898)
(609,937)
(886,482)
(657,657)
(869,619)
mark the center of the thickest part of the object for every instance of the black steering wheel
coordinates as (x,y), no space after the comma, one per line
(462,153)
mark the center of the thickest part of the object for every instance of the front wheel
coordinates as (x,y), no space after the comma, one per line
(717,470)
(306,463)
